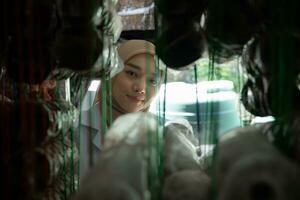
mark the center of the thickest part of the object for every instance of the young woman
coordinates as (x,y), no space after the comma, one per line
(132,90)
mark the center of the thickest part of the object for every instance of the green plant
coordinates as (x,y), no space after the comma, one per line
(207,71)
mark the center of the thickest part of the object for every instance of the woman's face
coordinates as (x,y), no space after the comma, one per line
(135,86)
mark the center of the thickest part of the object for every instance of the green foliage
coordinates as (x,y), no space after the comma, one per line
(207,71)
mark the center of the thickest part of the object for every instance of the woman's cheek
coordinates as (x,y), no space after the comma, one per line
(153,91)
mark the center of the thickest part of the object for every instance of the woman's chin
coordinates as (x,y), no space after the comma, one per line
(135,109)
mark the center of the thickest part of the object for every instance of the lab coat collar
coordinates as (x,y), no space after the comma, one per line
(92,118)
(97,140)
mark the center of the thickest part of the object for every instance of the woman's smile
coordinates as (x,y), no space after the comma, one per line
(136,98)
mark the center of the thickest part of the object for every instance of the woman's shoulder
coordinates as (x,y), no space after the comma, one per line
(91,117)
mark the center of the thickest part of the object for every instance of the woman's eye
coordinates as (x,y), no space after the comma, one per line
(153,81)
(131,74)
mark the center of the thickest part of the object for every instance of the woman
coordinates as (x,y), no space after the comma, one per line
(133,90)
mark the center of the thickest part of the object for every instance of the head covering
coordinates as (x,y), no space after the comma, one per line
(132,48)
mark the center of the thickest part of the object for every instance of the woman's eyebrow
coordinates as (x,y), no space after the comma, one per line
(138,67)
(134,66)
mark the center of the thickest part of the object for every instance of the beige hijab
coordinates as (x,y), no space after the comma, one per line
(127,50)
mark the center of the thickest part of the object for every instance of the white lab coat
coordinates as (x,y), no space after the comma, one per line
(89,126)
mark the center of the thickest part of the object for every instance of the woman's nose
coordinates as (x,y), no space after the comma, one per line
(140,86)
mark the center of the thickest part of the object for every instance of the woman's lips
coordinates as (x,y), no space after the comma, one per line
(136,98)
